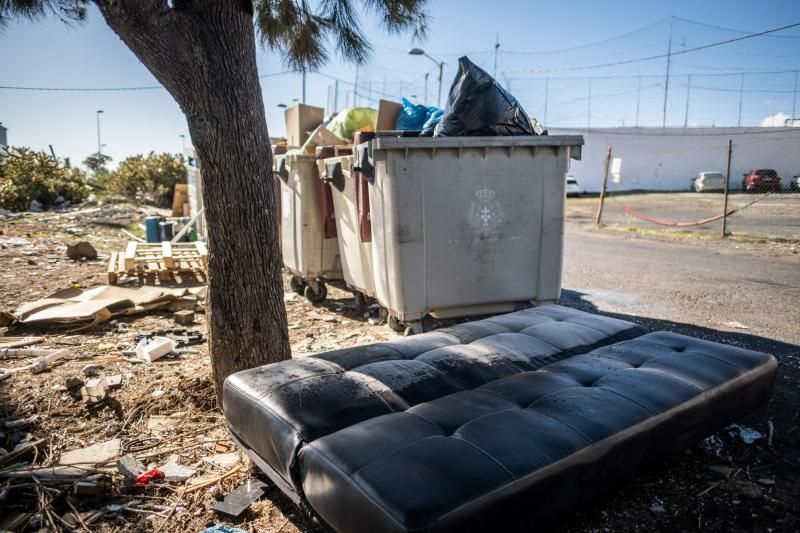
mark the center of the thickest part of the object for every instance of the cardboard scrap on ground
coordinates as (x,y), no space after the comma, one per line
(90,307)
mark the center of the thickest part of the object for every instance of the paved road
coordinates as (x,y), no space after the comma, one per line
(746,289)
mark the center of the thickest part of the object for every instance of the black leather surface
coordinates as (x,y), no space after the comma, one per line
(501,423)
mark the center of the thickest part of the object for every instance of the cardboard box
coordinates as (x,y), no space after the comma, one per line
(388,112)
(301,119)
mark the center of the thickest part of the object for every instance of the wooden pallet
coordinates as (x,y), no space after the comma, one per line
(162,260)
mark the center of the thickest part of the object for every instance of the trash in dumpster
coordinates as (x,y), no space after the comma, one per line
(477,105)
(352,119)
(416,116)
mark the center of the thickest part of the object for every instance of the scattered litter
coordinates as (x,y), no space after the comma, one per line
(85,518)
(222,460)
(747,434)
(221,528)
(40,364)
(94,391)
(88,488)
(80,250)
(735,325)
(20,422)
(114,382)
(184,317)
(240,498)
(713,444)
(161,423)
(766,481)
(657,506)
(90,370)
(74,384)
(151,475)
(97,454)
(289,296)
(174,471)
(724,471)
(151,349)
(16,342)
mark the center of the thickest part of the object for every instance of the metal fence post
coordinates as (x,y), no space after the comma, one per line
(603,190)
(727,182)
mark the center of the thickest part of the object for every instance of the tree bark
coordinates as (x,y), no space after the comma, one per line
(204,54)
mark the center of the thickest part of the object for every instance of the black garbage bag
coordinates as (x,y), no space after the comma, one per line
(477,105)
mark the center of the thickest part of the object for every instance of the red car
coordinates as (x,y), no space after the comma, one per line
(761,179)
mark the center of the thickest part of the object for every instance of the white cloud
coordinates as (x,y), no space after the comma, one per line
(777,120)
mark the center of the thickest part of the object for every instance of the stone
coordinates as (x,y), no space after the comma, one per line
(81,249)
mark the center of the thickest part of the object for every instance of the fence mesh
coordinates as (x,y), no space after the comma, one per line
(763,199)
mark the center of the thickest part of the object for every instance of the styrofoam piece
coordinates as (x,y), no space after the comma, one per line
(154,348)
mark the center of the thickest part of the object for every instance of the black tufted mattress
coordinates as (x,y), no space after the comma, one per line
(498,424)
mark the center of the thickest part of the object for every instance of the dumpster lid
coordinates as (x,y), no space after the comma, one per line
(431,143)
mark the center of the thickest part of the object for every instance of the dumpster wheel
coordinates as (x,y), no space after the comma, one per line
(395,324)
(297,284)
(315,296)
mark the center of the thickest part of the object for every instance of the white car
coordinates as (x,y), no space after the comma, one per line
(708,181)
(573,189)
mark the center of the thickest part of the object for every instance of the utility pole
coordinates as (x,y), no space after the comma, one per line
(496,49)
(355,86)
(589,109)
(638,100)
(304,87)
(99,145)
(794,99)
(546,97)
(741,97)
(688,96)
(666,80)
(336,96)
(426,89)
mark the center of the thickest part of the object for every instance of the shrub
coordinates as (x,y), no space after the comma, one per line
(150,179)
(27,175)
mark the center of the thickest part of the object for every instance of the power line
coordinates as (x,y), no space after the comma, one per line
(587,45)
(110,89)
(698,23)
(635,76)
(659,56)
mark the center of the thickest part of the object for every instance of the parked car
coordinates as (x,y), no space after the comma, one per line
(708,181)
(573,188)
(761,179)
(794,183)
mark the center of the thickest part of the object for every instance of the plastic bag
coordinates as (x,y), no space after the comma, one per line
(415,116)
(352,119)
(477,105)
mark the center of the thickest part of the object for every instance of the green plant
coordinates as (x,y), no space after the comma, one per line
(27,175)
(150,178)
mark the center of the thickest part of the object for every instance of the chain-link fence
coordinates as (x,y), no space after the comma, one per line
(744,185)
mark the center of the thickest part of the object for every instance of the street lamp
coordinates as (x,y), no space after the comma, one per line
(99,146)
(440,64)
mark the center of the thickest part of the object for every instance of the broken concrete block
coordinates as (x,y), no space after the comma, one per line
(130,467)
(184,317)
(94,390)
(114,382)
(97,454)
(175,472)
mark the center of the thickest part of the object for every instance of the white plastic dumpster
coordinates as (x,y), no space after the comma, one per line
(356,252)
(466,225)
(310,249)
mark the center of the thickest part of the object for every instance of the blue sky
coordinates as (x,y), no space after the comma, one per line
(538,40)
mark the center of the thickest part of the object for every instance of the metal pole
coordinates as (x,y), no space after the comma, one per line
(688,95)
(589,109)
(369,90)
(638,100)
(426,88)
(99,145)
(336,96)
(666,80)
(546,97)
(725,201)
(355,86)
(794,99)
(304,86)
(496,48)
(599,214)
(439,99)
(741,97)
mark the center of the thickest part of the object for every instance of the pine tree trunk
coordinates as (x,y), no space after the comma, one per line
(203,52)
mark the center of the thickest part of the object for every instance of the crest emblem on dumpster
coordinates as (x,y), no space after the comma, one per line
(485,213)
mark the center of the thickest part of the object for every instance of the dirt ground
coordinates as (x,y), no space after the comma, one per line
(723,484)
